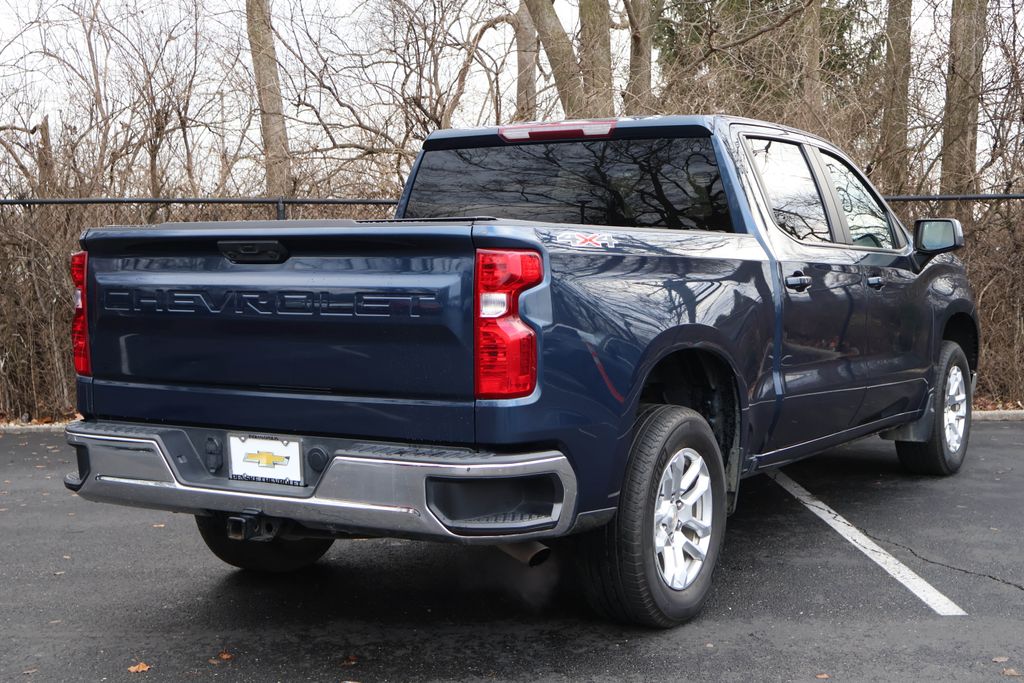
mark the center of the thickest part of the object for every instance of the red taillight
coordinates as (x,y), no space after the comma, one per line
(561,130)
(506,347)
(80,321)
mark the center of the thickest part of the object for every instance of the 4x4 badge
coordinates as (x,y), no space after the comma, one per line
(586,239)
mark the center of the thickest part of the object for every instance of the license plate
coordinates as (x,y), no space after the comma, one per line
(263,458)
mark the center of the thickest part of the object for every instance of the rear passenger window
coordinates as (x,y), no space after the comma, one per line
(865,217)
(792,193)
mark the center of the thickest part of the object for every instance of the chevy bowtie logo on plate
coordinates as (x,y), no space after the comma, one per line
(266,459)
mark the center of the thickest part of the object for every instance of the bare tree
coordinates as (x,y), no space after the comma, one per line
(595,58)
(277,158)
(137,97)
(527,53)
(963,89)
(813,46)
(643,16)
(565,68)
(892,168)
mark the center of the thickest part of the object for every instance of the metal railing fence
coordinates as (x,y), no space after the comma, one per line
(282,204)
(36,236)
(279,204)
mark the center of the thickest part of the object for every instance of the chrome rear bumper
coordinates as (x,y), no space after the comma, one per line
(374,488)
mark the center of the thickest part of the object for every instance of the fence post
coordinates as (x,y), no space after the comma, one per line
(282,212)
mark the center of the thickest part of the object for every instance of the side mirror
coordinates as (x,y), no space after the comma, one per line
(938,235)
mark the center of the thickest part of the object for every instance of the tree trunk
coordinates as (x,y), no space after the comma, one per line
(558,48)
(643,17)
(963,89)
(153,147)
(46,168)
(893,155)
(268,94)
(814,100)
(596,57)
(527,52)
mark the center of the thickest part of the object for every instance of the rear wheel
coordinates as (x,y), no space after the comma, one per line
(653,563)
(943,453)
(273,557)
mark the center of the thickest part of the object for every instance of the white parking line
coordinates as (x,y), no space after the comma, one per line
(899,571)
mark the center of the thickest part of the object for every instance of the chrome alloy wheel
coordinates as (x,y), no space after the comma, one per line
(682,519)
(954,414)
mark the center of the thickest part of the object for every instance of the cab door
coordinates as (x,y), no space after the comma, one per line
(823,308)
(894,368)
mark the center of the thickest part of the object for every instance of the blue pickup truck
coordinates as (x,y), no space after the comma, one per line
(589,331)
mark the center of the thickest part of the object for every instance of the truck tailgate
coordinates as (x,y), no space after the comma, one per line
(338,318)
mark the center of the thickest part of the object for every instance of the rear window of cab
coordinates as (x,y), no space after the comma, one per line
(671,183)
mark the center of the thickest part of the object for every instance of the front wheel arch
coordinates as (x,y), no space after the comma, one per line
(962,329)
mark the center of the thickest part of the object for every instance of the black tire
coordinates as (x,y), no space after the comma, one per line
(276,556)
(621,573)
(935,456)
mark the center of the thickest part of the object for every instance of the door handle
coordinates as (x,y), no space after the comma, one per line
(798,281)
(876,282)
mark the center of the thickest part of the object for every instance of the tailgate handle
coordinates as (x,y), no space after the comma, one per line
(253,251)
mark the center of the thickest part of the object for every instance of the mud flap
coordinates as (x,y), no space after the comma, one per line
(918,431)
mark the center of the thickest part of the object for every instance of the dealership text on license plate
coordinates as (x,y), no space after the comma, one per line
(263,458)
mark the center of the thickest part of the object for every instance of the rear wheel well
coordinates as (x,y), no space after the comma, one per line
(702,381)
(960,328)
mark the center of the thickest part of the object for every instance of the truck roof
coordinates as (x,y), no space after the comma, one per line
(675,125)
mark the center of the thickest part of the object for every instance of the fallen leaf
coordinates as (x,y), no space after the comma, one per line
(351,660)
(56,621)
(67,557)
(822,677)
(1000,660)
(58,573)
(225,656)
(159,526)
(29,672)
(1011,672)
(139,668)
(215,662)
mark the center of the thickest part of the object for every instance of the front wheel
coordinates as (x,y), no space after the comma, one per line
(652,564)
(943,453)
(276,556)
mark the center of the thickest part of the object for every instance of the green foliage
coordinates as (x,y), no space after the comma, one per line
(854,43)
(761,72)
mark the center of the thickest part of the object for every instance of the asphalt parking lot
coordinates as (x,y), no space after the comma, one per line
(88,590)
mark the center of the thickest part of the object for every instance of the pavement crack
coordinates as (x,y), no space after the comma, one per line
(921,557)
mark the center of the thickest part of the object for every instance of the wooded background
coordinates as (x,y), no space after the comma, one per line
(319,99)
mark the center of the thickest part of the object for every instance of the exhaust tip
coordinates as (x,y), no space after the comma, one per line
(540,557)
(530,553)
